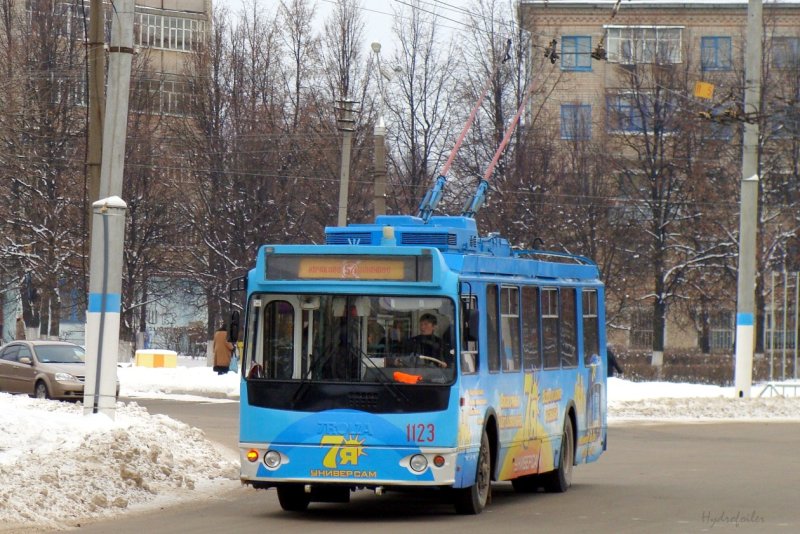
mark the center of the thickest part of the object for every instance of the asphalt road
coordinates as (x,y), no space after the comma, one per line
(740,477)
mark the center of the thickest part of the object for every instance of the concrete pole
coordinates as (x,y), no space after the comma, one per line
(748,214)
(97,72)
(346,125)
(379,203)
(120,57)
(103,313)
(108,227)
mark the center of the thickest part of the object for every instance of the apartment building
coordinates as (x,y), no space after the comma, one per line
(595,46)
(706,37)
(166,32)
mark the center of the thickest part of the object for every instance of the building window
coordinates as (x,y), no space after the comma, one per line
(625,114)
(641,335)
(640,111)
(716,53)
(576,52)
(786,52)
(784,123)
(720,131)
(722,331)
(167,32)
(644,44)
(576,121)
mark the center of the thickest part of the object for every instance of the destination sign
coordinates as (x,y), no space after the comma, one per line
(349,268)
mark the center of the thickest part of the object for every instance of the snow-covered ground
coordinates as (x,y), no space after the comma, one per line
(59,467)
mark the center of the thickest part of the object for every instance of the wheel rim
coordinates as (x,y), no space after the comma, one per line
(41,391)
(484,468)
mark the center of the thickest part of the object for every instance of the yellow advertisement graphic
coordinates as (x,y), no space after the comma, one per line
(342,451)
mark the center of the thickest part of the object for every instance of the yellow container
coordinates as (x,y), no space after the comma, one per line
(156,358)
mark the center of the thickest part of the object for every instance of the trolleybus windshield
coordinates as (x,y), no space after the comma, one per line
(351,338)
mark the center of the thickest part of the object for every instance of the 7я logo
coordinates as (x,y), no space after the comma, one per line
(342,451)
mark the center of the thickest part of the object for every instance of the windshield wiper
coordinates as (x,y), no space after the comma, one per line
(384,380)
(316,366)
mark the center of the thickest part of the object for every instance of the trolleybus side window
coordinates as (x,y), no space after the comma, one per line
(469,334)
(591,343)
(569,340)
(509,327)
(530,328)
(279,324)
(550,327)
(492,333)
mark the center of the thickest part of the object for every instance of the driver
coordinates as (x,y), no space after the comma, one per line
(426,343)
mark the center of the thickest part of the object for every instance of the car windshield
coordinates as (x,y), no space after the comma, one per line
(60,354)
(381,338)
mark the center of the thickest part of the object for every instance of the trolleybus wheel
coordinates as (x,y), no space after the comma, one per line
(560,480)
(293,498)
(527,483)
(472,500)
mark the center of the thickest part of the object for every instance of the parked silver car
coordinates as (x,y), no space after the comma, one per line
(44,369)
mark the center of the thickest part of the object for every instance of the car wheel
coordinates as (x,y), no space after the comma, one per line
(41,391)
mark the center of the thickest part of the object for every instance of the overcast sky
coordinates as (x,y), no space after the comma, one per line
(377,16)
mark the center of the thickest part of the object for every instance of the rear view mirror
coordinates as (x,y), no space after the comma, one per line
(233,330)
(25,360)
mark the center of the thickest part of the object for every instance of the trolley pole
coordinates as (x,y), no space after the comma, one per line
(748,214)
(108,227)
(379,202)
(379,187)
(346,125)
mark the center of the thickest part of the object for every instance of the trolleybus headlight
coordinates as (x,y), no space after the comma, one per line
(252,455)
(418,463)
(272,459)
(438,460)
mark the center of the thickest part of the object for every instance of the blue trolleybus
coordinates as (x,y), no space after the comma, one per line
(415,353)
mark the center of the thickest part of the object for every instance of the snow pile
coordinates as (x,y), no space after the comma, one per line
(667,401)
(58,466)
(167,382)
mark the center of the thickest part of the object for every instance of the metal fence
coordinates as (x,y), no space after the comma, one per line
(781,325)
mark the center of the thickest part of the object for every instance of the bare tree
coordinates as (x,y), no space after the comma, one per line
(41,139)
(421,106)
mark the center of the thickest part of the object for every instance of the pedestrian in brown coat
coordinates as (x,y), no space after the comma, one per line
(223,349)
(20,329)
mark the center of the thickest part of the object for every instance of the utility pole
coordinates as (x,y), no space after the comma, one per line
(97,71)
(748,212)
(379,187)
(108,227)
(346,125)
